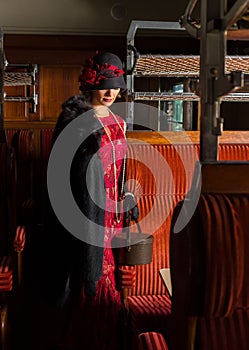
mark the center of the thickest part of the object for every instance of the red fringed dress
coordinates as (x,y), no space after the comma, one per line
(95,322)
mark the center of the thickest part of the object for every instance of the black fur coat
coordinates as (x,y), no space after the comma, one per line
(72,257)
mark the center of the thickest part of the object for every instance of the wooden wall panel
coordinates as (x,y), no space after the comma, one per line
(59,49)
(57,83)
(59,59)
(17,111)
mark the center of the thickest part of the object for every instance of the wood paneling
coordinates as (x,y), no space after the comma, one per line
(57,83)
(59,49)
(59,59)
(17,111)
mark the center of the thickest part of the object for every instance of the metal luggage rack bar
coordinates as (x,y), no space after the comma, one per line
(187,96)
(182,65)
(15,78)
(22,75)
(27,99)
(33,100)
(18,99)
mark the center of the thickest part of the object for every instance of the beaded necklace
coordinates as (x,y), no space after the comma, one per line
(107,131)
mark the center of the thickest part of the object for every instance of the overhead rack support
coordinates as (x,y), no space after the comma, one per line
(215,20)
(132,55)
(220,76)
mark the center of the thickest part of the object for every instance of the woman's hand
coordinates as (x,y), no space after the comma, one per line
(130,206)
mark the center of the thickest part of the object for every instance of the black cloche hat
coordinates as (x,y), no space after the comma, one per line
(101,72)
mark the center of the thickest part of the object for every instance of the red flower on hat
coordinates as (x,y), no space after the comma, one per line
(93,75)
(88,76)
(107,71)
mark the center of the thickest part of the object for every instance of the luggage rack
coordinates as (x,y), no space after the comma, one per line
(176,66)
(22,75)
(187,96)
(182,65)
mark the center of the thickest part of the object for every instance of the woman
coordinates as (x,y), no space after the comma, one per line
(94,307)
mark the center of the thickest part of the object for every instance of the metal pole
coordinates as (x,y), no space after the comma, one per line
(130,59)
(213,82)
(3,138)
(212,62)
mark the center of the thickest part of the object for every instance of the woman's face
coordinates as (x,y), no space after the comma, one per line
(104,97)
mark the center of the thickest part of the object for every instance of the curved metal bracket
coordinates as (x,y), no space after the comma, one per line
(191,25)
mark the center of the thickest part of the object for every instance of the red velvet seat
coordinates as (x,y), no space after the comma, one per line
(152,341)
(25,177)
(46,143)
(6,277)
(209,266)
(22,141)
(6,283)
(148,313)
(162,175)
(7,200)
(18,245)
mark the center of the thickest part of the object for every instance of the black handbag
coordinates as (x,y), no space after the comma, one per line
(133,248)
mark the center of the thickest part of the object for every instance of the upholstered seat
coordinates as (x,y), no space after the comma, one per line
(152,341)
(22,141)
(159,185)
(148,313)
(210,263)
